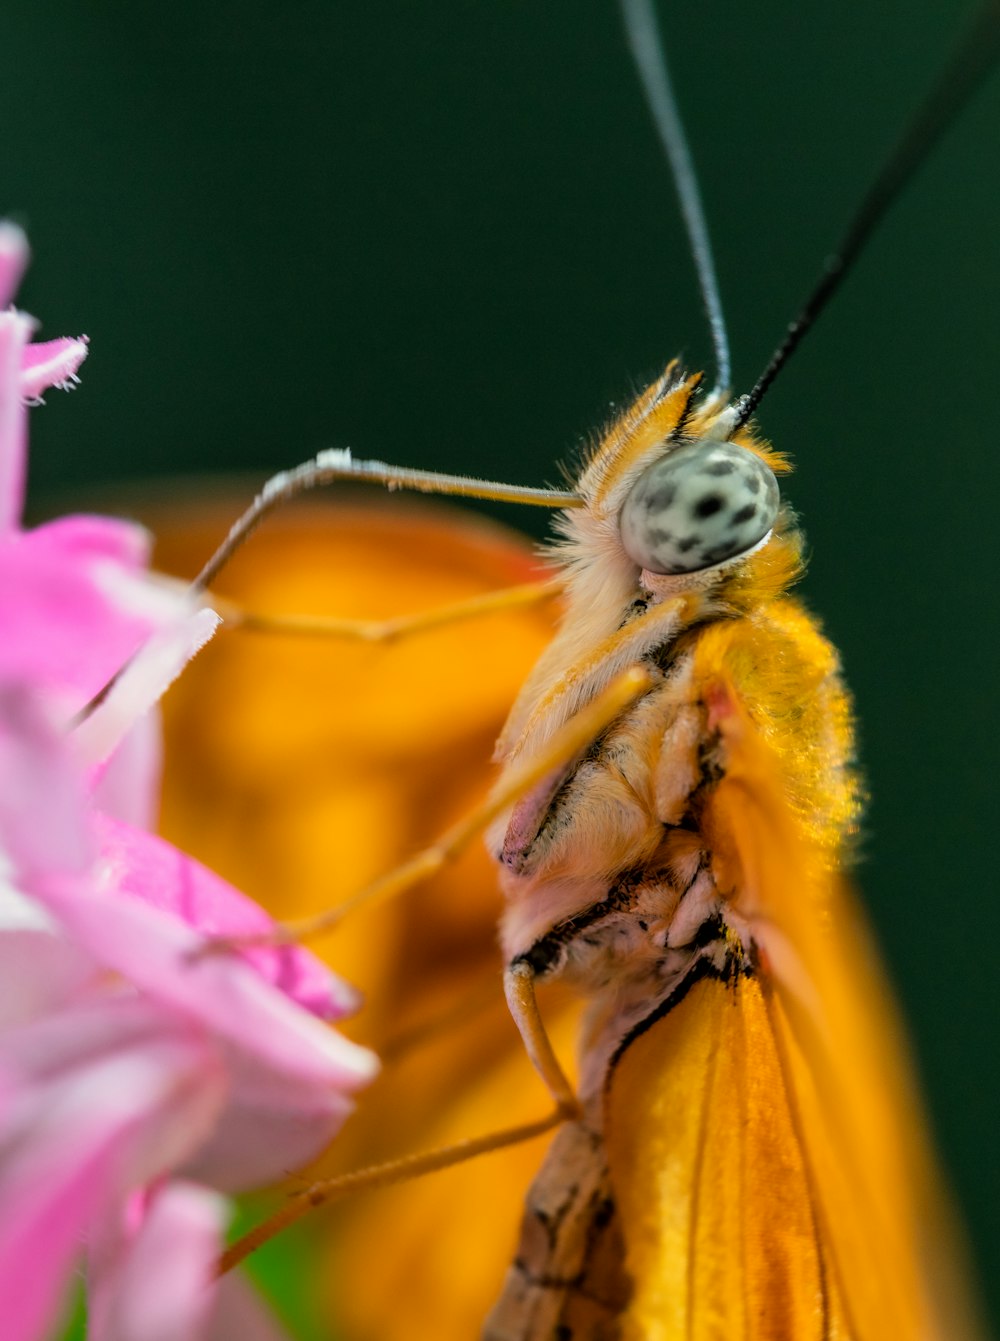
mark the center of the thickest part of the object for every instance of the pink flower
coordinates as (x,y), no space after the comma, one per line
(75,598)
(138,1077)
(126,1057)
(25,372)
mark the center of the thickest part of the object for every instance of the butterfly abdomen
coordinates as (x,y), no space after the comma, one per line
(567,1282)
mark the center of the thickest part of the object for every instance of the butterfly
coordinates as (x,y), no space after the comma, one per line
(745,752)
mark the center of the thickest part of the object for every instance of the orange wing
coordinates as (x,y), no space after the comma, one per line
(712,1186)
(774,1115)
(303,767)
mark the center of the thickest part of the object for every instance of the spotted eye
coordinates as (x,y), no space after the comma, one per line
(698,506)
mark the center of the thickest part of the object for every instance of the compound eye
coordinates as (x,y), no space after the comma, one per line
(698,506)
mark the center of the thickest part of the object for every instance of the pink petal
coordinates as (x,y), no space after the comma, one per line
(39,967)
(117,1067)
(43,823)
(289,1074)
(142,682)
(162,1289)
(127,786)
(65,631)
(38,1256)
(51,363)
(271,1127)
(98,1099)
(14,257)
(85,539)
(150,869)
(15,331)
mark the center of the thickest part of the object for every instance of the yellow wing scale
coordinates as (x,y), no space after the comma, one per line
(774,1116)
(711,1183)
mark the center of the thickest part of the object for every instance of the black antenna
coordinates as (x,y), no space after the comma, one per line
(650,58)
(974,58)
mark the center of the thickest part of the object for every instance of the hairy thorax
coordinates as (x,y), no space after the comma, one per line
(603,868)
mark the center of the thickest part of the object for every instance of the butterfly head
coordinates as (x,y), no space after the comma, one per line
(674,490)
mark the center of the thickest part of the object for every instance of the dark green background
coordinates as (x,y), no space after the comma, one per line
(442,234)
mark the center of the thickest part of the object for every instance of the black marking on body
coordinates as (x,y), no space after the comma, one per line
(600,1217)
(736,965)
(551,1224)
(666,656)
(711,930)
(546,952)
(710,767)
(548,1282)
(634,611)
(679,431)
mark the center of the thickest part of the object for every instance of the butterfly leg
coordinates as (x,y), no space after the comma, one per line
(380,1175)
(519,988)
(331,466)
(388,630)
(573,736)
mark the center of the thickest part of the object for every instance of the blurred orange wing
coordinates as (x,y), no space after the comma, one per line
(302,768)
(711,1183)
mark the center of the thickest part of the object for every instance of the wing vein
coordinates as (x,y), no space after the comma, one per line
(698,1166)
(743,1100)
(824,1243)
